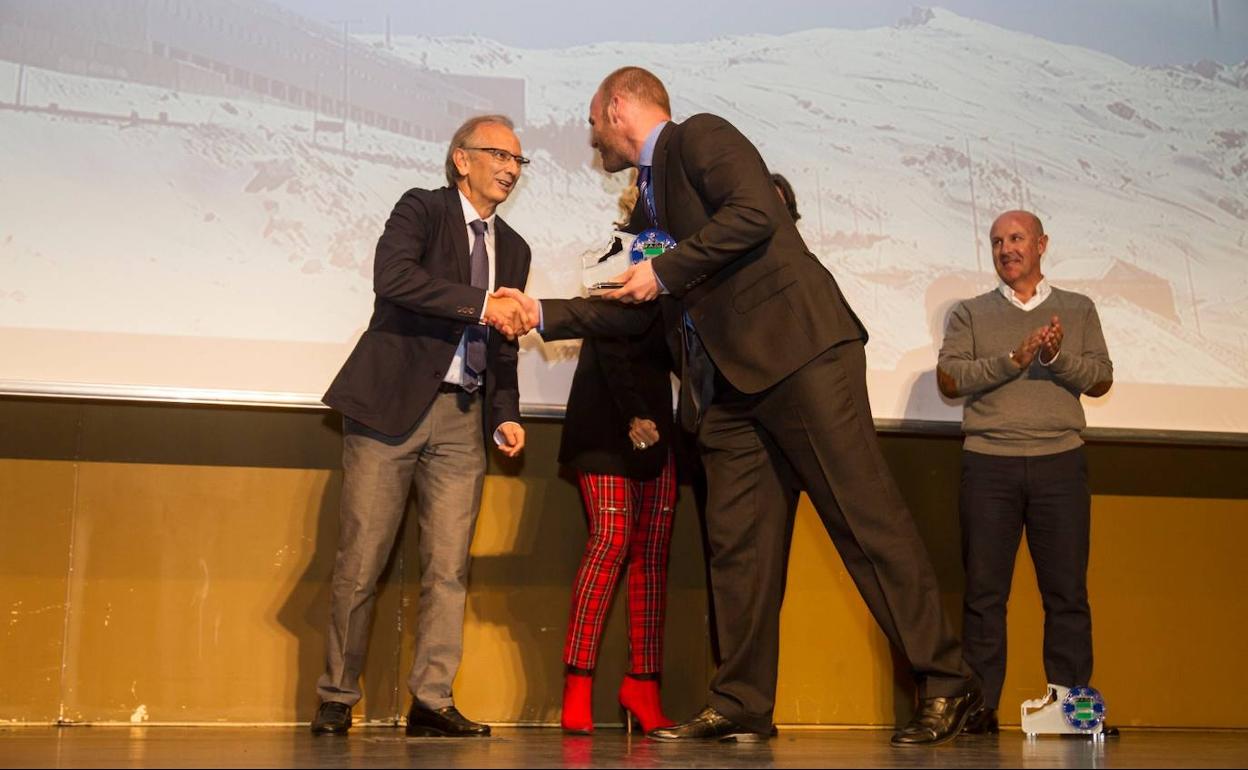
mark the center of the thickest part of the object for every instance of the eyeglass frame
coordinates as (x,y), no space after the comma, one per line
(502,156)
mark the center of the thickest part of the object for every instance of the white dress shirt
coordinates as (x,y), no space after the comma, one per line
(1043,290)
(455,374)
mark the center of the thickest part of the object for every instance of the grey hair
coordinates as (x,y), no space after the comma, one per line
(463,134)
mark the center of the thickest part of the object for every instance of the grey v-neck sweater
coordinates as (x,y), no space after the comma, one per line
(1031,412)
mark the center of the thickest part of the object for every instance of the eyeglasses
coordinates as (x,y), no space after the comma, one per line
(502,156)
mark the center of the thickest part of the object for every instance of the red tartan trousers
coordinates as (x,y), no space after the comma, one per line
(629,522)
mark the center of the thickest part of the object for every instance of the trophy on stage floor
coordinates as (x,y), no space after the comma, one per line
(600,266)
(1065,711)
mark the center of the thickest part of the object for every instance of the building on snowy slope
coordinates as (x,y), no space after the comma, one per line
(252,49)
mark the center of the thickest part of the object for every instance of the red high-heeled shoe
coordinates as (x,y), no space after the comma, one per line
(640,698)
(578,700)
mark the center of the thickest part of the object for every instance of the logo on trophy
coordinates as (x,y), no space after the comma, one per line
(600,266)
(1084,709)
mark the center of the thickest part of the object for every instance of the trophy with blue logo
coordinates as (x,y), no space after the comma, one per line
(599,268)
(1065,711)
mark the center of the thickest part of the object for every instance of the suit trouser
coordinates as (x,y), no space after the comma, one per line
(443,459)
(813,431)
(1048,495)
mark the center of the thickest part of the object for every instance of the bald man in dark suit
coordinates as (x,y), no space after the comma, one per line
(773,380)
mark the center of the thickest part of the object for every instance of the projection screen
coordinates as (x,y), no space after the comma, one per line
(190,192)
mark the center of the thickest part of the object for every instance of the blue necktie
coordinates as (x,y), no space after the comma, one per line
(474,336)
(647,195)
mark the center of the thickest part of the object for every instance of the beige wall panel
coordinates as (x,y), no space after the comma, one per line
(1169,592)
(200,594)
(836,665)
(36,503)
(834,660)
(1170,611)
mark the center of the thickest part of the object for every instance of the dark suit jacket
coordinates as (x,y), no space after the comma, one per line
(424,300)
(616,380)
(762,303)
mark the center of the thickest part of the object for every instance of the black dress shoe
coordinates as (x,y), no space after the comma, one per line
(710,725)
(332,718)
(982,722)
(442,723)
(939,720)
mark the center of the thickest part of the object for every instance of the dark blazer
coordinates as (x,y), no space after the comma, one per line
(616,380)
(762,303)
(424,300)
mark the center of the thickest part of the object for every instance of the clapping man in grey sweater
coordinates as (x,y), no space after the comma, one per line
(1022,355)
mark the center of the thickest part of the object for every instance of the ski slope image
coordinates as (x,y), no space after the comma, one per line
(182,227)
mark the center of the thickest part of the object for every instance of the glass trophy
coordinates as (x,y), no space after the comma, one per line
(600,267)
(1065,711)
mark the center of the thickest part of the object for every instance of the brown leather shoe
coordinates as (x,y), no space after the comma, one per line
(982,722)
(939,720)
(332,718)
(442,723)
(710,725)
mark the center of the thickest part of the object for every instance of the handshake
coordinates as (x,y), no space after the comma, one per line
(512,312)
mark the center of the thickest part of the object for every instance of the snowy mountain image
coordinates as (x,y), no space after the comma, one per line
(147,208)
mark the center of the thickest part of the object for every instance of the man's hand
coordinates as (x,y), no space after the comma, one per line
(512,435)
(1031,344)
(507,315)
(640,284)
(643,432)
(1052,340)
(529,314)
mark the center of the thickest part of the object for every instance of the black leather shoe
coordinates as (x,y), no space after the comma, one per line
(332,718)
(442,723)
(939,720)
(710,725)
(982,722)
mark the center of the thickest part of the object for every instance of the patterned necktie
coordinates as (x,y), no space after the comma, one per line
(474,336)
(647,195)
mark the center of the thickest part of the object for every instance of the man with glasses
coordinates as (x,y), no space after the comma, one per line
(428,384)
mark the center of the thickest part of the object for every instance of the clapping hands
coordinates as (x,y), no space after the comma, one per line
(1047,341)
(1052,344)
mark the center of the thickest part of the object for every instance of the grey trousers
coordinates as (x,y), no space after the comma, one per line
(443,459)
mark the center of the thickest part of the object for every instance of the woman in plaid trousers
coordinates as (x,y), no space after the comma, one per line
(619,435)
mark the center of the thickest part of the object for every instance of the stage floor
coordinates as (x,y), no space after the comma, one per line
(157,746)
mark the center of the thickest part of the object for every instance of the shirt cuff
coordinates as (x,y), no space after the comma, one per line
(659,281)
(541,318)
(484,303)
